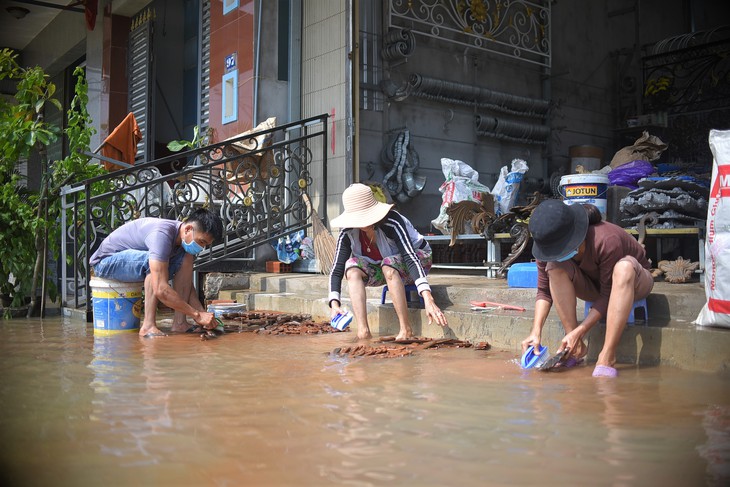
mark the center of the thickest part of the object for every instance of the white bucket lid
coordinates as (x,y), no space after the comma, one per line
(101,283)
(589,178)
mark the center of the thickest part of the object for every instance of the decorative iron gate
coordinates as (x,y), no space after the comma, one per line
(254,182)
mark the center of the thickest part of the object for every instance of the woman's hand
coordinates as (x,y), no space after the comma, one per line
(433,312)
(335,309)
(574,342)
(532,340)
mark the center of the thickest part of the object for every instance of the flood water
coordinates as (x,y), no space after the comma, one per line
(247,409)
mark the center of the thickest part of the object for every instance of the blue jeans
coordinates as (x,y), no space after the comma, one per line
(133,265)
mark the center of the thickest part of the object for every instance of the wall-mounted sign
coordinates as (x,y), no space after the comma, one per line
(230,62)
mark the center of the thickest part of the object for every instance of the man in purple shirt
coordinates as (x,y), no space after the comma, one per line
(155,250)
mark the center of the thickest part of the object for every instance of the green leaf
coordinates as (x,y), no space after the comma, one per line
(178,145)
(42,138)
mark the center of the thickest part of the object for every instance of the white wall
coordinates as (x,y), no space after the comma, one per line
(324,60)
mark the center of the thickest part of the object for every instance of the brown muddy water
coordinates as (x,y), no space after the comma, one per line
(247,409)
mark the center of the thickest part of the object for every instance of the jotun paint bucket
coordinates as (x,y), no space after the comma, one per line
(117,305)
(585,188)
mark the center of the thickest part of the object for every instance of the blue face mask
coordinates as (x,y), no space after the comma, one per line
(193,247)
(567,257)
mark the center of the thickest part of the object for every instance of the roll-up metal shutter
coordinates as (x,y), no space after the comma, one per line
(141,79)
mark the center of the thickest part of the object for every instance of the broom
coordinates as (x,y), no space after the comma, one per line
(324,242)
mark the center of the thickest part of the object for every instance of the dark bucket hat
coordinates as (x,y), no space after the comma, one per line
(557,229)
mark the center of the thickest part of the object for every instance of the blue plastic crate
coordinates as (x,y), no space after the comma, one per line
(523,274)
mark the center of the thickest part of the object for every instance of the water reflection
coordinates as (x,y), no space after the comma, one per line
(260,410)
(716,451)
(128,417)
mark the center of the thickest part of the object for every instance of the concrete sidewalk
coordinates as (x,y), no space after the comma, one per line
(668,337)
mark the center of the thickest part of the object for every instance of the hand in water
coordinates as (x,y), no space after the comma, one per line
(532,340)
(574,342)
(206,320)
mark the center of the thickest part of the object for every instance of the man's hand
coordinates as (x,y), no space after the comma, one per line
(206,320)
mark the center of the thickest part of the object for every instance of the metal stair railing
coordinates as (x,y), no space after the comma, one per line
(257,190)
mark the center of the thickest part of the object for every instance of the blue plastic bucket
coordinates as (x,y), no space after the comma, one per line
(117,305)
(585,188)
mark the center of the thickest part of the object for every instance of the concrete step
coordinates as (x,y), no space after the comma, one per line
(674,343)
(668,337)
(666,302)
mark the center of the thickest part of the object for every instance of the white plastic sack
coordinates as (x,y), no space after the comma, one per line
(716,312)
(507,188)
(462,184)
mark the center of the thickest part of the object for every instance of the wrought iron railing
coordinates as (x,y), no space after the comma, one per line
(254,182)
(686,90)
(519,29)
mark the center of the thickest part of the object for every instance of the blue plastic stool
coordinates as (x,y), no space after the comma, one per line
(410,288)
(632,318)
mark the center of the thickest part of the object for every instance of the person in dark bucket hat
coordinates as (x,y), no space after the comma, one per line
(579,256)
(557,229)
(377,246)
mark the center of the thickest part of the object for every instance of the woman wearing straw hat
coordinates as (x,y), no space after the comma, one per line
(580,256)
(377,246)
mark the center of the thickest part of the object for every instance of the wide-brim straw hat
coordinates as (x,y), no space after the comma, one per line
(361,208)
(557,229)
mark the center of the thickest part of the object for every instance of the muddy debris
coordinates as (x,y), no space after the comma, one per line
(274,323)
(208,334)
(382,351)
(390,347)
(422,343)
(204,333)
(299,328)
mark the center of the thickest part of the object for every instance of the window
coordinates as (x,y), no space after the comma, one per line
(229,110)
(229,6)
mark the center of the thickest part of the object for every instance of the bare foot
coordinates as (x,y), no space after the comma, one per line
(364,334)
(404,335)
(180,327)
(604,359)
(151,331)
(581,350)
